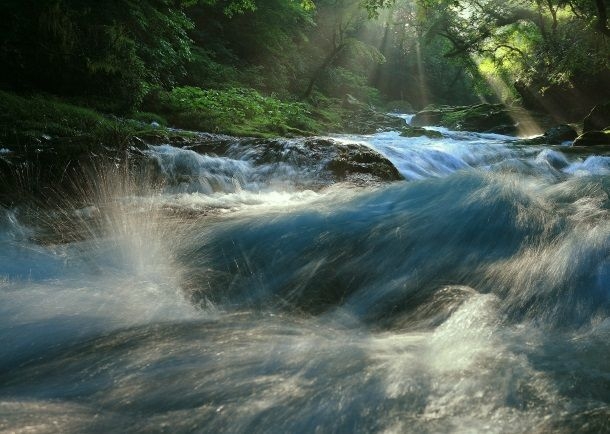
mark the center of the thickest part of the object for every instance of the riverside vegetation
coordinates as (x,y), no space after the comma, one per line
(285,67)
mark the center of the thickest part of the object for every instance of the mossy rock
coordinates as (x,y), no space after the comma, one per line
(360,118)
(341,161)
(409,131)
(428,117)
(369,121)
(484,118)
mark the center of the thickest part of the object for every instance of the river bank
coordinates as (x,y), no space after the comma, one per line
(46,142)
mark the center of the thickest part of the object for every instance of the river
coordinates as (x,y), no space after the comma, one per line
(472,297)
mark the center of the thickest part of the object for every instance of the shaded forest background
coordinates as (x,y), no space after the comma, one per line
(287,65)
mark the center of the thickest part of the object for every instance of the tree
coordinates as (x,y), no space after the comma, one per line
(111,51)
(545,47)
(338,23)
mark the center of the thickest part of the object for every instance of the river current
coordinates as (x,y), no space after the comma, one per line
(472,297)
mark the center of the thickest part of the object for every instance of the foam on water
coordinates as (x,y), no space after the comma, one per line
(240,169)
(423,157)
(592,165)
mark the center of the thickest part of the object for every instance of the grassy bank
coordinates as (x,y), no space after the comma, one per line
(31,120)
(35,120)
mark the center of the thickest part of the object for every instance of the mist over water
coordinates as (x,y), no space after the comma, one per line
(472,297)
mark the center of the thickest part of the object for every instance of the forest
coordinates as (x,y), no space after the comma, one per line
(252,67)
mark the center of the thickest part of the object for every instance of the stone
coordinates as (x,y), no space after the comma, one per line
(341,161)
(360,118)
(399,106)
(353,160)
(483,118)
(559,134)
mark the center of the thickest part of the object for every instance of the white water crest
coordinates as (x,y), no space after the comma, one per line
(240,296)
(424,157)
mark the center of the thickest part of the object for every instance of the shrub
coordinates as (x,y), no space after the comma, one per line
(235,110)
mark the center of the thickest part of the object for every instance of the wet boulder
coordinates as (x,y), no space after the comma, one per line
(430,116)
(553,136)
(559,134)
(332,160)
(510,129)
(359,163)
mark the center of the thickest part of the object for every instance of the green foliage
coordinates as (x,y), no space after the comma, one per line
(205,70)
(112,51)
(341,81)
(237,7)
(234,110)
(40,119)
(115,55)
(260,48)
(149,118)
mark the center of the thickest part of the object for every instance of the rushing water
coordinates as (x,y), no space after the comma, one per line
(473,298)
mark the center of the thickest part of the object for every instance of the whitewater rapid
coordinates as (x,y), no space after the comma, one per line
(474,296)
